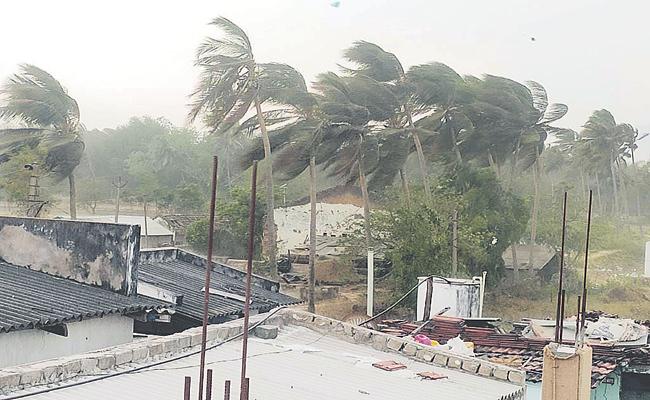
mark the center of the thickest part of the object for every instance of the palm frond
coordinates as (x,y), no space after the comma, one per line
(540,97)
(373,62)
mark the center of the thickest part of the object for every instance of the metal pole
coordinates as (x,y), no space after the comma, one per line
(246,390)
(146,231)
(370,297)
(561,322)
(208,272)
(208,385)
(119,185)
(577,323)
(454,245)
(584,276)
(558,311)
(186,391)
(249,272)
(226,391)
(426,314)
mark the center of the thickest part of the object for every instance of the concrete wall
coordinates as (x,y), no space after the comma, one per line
(104,255)
(29,345)
(602,392)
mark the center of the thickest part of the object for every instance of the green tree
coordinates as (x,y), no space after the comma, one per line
(231,82)
(52,121)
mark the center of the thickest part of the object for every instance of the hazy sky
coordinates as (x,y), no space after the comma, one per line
(129,58)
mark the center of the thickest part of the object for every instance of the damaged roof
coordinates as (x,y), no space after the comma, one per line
(31,299)
(188,279)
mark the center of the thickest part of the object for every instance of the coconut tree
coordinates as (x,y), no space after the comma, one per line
(50,119)
(609,144)
(232,83)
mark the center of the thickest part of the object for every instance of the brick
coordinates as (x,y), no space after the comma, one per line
(516,377)
(500,373)
(361,336)
(123,356)
(266,332)
(140,353)
(105,361)
(424,354)
(470,366)
(440,359)
(485,369)
(72,366)
(395,344)
(454,362)
(409,349)
(52,373)
(379,342)
(30,376)
(9,379)
(88,365)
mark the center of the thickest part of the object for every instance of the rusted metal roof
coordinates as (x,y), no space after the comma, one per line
(31,299)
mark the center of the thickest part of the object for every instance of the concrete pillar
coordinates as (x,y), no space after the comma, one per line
(567,373)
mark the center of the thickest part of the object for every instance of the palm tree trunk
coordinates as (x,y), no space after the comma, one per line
(420,152)
(270,207)
(73,196)
(614,183)
(311,307)
(405,187)
(600,199)
(366,207)
(515,262)
(493,164)
(533,217)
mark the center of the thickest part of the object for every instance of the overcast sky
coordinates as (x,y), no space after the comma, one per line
(130,58)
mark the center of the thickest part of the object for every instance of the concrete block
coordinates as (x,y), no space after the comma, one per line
(379,342)
(155,348)
(105,361)
(349,329)
(235,330)
(266,332)
(30,376)
(140,353)
(88,365)
(500,373)
(425,355)
(470,366)
(123,356)
(184,340)
(52,373)
(440,359)
(169,344)
(485,369)
(361,336)
(454,362)
(409,349)
(9,379)
(395,344)
(195,338)
(518,377)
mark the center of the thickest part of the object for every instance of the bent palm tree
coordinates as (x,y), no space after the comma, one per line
(231,82)
(52,121)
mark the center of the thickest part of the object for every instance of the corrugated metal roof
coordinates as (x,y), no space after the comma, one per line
(187,279)
(32,299)
(298,364)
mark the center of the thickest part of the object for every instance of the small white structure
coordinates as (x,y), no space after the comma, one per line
(464,297)
(332,220)
(647,259)
(156,234)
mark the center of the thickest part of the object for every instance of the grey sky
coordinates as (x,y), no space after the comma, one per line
(126,58)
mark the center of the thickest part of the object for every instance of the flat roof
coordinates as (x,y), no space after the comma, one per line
(299,364)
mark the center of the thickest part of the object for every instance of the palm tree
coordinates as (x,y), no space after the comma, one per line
(231,82)
(389,96)
(610,144)
(51,119)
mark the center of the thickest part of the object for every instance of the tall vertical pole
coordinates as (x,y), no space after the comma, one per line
(454,245)
(208,272)
(208,385)
(187,388)
(584,275)
(249,272)
(146,230)
(119,185)
(558,310)
(370,298)
(226,391)
(577,337)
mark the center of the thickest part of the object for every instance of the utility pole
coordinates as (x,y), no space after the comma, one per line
(146,232)
(454,245)
(118,185)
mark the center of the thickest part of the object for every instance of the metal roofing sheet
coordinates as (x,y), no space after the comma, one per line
(298,364)
(187,279)
(32,299)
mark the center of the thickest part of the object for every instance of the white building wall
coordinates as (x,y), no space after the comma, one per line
(31,345)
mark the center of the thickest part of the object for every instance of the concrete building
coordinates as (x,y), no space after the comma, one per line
(178,224)
(67,287)
(296,355)
(156,235)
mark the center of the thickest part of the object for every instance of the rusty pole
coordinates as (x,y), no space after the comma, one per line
(186,391)
(226,391)
(208,385)
(558,311)
(577,323)
(562,308)
(249,272)
(584,276)
(208,272)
